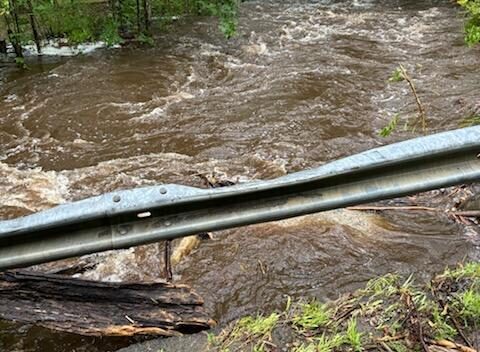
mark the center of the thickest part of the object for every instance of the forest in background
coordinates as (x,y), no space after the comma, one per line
(114,21)
(110,21)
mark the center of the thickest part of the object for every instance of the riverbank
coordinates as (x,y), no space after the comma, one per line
(390,313)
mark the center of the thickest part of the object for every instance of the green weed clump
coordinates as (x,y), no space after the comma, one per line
(390,127)
(390,313)
(259,326)
(312,315)
(441,328)
(472,25)
(398,75)
(468,303)
(226,11)
(472,120)
(353,336)
(463,271)
(329,344)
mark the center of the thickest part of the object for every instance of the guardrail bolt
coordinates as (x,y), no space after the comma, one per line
(116,198)
(163,190)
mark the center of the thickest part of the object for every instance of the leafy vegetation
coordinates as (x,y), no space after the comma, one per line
(226,11)
(471,121)
(328,344)
(472,25)
(388,129)
(389,314)
(259,326)
(110,21)
(468,304)
(396,76)
(113,21)
(353,336)
(312,315)
(399,75)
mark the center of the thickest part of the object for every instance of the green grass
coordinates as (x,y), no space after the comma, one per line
(472,25)
(311,347)
(353,337)
(396,76)
(259,326)
(469,303)
(329,344)
(390,127)
(385,285)
(470,121)
(469,270)
(397,347)
(312,315)
(442,330)
(377,317)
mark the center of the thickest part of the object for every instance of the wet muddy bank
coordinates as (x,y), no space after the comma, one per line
(390,313)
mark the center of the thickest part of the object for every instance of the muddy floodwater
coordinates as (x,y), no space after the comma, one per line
(301,84)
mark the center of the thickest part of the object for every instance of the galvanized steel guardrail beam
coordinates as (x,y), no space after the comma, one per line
(144,215)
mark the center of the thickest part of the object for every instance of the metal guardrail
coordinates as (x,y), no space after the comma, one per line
(144,215)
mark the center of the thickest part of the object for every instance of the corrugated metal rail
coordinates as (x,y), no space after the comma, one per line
(144,215)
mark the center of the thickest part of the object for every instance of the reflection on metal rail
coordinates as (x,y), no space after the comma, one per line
(132,217)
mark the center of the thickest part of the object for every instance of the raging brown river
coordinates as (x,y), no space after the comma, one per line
(301,84)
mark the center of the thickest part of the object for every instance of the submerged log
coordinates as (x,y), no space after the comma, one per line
(101,308)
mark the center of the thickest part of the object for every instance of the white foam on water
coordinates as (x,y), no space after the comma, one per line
(32,190)
(112,265)
(9,98)
(129,107)
(256,46)
(167,101)
(153,114)
(63,48)
(432,12)
(366,223)
(363,4)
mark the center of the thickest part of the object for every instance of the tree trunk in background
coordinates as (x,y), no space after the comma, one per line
(3,36)
(113,7)
(116,9)
(146,16)
(13,8)
(13,37)
(139,24)
(36,37)
(3,46)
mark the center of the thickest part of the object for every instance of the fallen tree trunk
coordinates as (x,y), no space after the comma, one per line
(101,308)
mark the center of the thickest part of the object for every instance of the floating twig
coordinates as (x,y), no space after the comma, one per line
(421,109)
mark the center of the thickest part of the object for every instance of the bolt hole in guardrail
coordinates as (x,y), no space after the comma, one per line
(144,214)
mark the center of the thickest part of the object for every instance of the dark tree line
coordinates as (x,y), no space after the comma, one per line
(111,21)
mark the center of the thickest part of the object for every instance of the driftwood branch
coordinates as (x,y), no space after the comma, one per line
(404,208)
(101,308)
(421,109)
(464,213)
